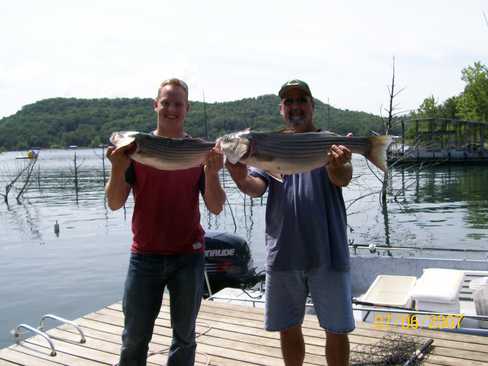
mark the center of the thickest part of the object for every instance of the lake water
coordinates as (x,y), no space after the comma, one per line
(83,268)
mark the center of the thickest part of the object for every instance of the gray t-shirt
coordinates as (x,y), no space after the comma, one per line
(305,222)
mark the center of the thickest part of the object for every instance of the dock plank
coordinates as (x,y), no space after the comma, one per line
(228,335)
(456,349)
(364,334)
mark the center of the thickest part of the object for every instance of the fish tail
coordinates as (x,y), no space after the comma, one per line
(377,152)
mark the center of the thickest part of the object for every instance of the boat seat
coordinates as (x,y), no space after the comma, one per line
(438,290)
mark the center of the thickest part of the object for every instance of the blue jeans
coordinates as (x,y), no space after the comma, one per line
(147,277)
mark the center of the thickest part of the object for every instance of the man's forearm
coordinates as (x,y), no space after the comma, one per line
(252,186)
(214,194)
(117,190)
(340,176)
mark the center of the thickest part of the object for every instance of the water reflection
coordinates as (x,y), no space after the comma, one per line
(448,189)
(25,218)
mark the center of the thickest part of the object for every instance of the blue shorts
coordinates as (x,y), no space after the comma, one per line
(286,294)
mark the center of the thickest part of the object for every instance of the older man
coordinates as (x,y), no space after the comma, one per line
(306,240)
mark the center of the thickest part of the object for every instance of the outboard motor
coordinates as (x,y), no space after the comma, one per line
(228,262)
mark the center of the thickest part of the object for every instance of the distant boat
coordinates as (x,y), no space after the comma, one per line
(31,154)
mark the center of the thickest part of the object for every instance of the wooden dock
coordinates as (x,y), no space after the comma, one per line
(227,335)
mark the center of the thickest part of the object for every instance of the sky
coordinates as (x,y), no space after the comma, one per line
(229,50)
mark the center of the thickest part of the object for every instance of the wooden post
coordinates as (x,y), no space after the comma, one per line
(430,133)
(482,137)
(103,165)
(456,135)
(417,137)
(444,133)
(76,176)
(403,137)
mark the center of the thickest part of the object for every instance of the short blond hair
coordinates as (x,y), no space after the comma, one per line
(173,81)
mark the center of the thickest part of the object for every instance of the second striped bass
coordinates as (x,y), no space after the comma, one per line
(291,153)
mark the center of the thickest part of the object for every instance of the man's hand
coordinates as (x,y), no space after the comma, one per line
(118,157)
(237,171)
(338,156)
(214,161)
(339,167)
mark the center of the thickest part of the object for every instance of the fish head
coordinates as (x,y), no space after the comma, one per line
(234,145)
(123,138)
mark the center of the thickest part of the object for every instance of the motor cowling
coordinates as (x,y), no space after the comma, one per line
(228,261)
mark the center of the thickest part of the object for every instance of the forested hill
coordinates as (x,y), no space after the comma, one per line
(60,122)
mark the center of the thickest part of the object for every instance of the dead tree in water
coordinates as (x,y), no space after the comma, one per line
(392,111)
(27,179)
(29,169)
(102,146)
(76,166)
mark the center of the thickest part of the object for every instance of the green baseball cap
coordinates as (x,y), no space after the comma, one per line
(295,83)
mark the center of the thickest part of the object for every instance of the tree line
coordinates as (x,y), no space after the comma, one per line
(61,122)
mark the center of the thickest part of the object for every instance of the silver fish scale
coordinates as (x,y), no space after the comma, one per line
(172,149)
(304,144)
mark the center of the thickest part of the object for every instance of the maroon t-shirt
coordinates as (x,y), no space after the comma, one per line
(166,216)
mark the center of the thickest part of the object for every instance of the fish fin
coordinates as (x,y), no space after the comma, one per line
(377,152)
(276,176)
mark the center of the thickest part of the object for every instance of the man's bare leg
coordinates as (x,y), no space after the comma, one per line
(292,346)
(337,349)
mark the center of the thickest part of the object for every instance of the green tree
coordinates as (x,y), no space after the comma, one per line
(449,108)
(429,108)
(473,103)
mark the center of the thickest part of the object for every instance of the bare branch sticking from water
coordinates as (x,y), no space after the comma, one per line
(360,198)
(11,184)
(27,179)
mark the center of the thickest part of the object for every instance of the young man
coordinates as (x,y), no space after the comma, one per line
(167,247)
(307,250)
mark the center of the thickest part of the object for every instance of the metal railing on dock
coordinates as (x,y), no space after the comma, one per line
(40,331)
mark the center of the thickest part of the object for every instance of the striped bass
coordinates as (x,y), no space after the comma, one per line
(291,153)
(161,152)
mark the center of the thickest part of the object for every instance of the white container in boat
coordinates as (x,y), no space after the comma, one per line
(438,290)
(480,297)
(478,283)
